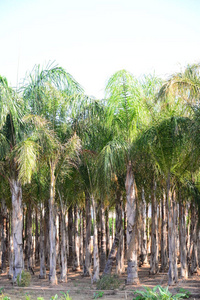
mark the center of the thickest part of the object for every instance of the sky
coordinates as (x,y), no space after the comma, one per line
(92,39)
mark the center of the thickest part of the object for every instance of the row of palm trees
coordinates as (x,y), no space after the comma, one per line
(61,148)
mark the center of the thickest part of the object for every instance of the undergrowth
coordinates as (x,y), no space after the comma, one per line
(24,279)
(108,282)
(158,293)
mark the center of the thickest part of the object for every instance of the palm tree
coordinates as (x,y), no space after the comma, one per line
(12,133)
(168,141)
(47,95)
(90,127)
(128,104)
(126,111)
(185,88)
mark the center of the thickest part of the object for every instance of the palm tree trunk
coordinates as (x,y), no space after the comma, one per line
(95,277)
(177,229)
(84,234)
(11,249)
(7,235)
(52,228)
(125,234)
(132,272)
(63,252)
(148,231)
(66,233)
(58,235)
(154,232)
(29,238)
(103,238)
(116,242)
(143,231)
(17,218)
(46,232)
(33,250)
(87,264)
(107,233)
(70,238)
(42,248)
(25,233)
(120,252)
(182,239)
(198,245)
(159,228)
(172,273)
(113,226)
(37,244)
(188,216)
(164,255)
(76,265)
(81,238)
(98,216)
(193,256)
(1,237)
(3,223)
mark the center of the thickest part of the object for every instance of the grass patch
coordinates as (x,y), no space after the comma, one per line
(24,279)
(108,282)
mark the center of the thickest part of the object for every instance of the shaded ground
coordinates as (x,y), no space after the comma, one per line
(81,288)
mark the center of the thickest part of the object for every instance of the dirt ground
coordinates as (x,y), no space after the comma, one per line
(80,288)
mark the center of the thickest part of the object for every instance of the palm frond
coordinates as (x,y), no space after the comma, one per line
(184,84)
(69,155)
(27,155)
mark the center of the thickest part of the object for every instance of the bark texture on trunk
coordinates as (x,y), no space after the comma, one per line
(98,216)
(164,254)
(76,264)
(198,245)
(17,225)
(3,224)
(193,254)
(42,248)
(81,238)
(1,235)
(29,238)
(46,232)
(11,249)
(125,227)
(84,234)
(63,252)
(113,252)
(103,238)
(52,229)
(182,239)
(95,276)
(130,185)
(148,231)
(37,242)
(33,251)
(107,233)
(88,256)
(120,252)
(143,230)
(177,229)
(70,234)
(58,235)
(154,232)
(113,226)
(173,272)
(188,216)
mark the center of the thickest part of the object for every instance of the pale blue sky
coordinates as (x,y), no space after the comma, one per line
(92,39)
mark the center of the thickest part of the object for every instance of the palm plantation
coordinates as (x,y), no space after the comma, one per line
(70,162)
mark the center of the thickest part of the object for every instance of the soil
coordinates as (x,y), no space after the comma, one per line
(80,288)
